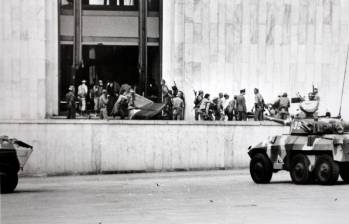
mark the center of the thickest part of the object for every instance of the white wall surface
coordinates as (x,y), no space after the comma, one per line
(214,45)
(65,147)
(28,59)
(276,46)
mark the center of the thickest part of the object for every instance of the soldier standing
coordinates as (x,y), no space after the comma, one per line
(225,105)
(241,106)
(166,96)
(197,102)
(178,107)
(230,109)
(70,98)
(284,105)
(164,90)
(103,102)
(205,108)
(258,105)
(82,94)
(219,110)
(97,92)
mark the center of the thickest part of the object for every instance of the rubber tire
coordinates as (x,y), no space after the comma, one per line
(331,176)
(344,171)
(261,169)
(8,182)
(299,170)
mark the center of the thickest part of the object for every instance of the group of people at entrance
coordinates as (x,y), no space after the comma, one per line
(108,100)
(112,100)
(223,108)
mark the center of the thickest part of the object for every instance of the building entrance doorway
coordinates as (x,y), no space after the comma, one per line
(112,41)
(111,64)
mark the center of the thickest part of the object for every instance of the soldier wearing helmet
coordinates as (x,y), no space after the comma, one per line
(197,103)
(70,98)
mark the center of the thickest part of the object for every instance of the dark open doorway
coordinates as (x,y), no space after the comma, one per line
(111,64)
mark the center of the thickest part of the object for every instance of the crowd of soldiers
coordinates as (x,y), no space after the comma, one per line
(113,100)
(223,108)
(108,100)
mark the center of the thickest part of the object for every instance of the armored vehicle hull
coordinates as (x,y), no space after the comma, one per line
(308,158)
(13,156)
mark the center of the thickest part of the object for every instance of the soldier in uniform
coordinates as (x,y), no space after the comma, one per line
(197,102)
(103,102)
(121,107)
(219,114)
(70,98)
(284,105)
(205,108)
(178,107)
(166,96)
(241,106)
(230,109)
(258,105)
(96,93)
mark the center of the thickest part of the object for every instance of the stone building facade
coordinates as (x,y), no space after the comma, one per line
(214,45)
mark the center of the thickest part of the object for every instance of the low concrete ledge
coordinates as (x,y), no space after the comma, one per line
(95,146)
(141,122)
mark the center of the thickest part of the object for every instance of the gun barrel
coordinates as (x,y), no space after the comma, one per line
(279,121)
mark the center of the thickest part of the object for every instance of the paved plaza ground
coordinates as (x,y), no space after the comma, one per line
(178,197)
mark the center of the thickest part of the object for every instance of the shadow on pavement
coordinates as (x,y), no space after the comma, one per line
(339,183)
(22,191)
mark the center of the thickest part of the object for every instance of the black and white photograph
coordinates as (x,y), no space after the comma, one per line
(174,111)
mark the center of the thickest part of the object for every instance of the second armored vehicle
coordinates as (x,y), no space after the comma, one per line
(13,155)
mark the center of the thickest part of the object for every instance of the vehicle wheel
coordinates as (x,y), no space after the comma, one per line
(326,170)
(9,182)
(344,171)
(261,169)
(299,171)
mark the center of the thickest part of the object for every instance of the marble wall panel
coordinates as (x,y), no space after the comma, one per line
(254,13)
(286,24)
(276,45)
(26,27)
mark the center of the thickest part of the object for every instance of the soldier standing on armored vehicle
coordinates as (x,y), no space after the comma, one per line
(284,105)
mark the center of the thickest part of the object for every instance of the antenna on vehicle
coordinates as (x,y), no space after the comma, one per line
(344,78)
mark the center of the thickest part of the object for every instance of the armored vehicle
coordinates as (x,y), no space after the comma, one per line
(316,150)
(13,155)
